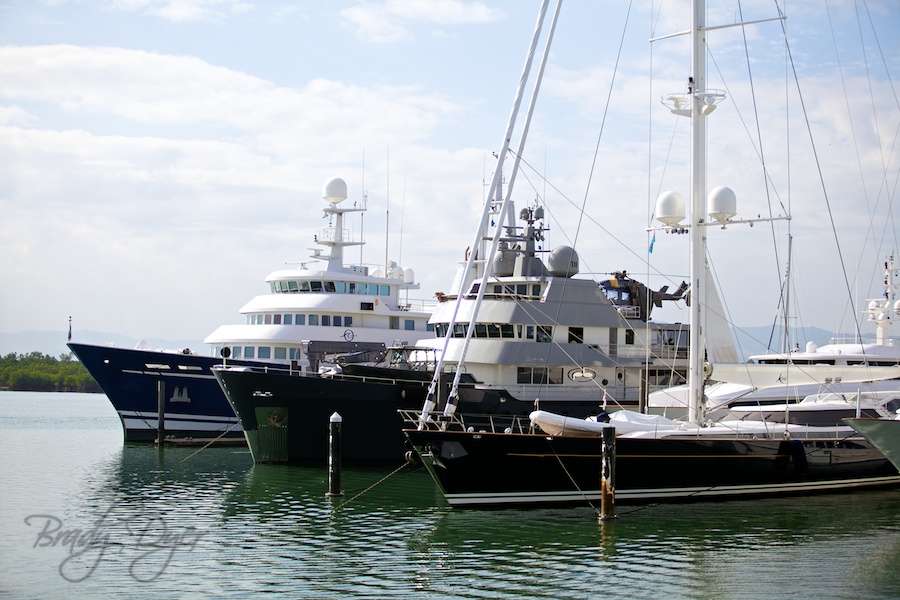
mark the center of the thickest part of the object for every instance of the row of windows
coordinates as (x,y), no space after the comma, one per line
(514,290)
(336,287)
(540,375)
(323,320)
(266,352)
(300,319)
(539,333)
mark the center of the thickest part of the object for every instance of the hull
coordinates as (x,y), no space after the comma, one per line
(884,434)
(501,470)
(286,418)
(195,406)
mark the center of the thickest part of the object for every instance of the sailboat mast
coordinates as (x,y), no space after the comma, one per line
(697,85)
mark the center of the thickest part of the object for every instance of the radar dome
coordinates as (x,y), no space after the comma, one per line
(563,261)
(670,208)
(897,307)
(335,190)
(409,276)
(721,204)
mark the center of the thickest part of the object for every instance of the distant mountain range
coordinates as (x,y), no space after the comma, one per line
(53,343)
(750,341)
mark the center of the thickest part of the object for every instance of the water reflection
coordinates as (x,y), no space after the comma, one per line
(271,529)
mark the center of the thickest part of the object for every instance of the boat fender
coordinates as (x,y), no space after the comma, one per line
(412,457)
(707,370)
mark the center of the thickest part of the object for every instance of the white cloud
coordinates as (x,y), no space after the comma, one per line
(389,21)
(183,11)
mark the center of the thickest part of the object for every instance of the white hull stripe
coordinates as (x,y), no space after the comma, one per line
(669,493)
(176,416)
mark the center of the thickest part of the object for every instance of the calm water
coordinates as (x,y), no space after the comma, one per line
(190,524)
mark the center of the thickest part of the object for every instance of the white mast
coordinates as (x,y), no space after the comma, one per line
(697,84)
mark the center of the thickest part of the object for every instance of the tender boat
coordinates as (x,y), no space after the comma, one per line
(309,315)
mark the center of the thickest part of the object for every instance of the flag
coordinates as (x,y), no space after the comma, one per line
(70,329)
(653,241)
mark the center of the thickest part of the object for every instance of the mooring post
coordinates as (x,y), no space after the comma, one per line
(160,412)
(334,455)
(608,475)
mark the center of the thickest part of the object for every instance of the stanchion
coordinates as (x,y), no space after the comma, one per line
(161,413)
(608,475)
(334,455)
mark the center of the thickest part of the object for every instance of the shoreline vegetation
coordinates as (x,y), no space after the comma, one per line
(36,372)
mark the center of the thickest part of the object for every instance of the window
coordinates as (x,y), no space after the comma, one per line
(337,321)
(366,306)
(348,321)
(340,287)
(315,286)
(276,319)
(313,319)
(288,319)
(326,320)
(373,289)
(430,327)
(268,319)
(440,330)
(304,286)
(409,325)
(493,330)
(236,352)
(506,330)
(555,375)
(498,288)
(576,335)
(361,288)
(299,319)
(529,332)
(521,289)
(249,352)
(629,336)
(480,330)
(395,323)
(280,353)
(536,289)
(296,354)
(351,288)
(459,330)
(329,286)
(292,286)
(523,375)
(544,334)
(265,352)
(385,290)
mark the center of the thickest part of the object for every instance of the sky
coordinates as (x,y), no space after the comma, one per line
(158,158)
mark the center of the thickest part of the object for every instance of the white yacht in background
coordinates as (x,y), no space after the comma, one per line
(308,313)
(843,368)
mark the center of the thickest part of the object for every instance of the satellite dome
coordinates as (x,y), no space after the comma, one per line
(721,204)
(335,190)
(563,262)
(670,208)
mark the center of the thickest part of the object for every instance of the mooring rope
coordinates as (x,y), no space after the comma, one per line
(373,486)
(210,443)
